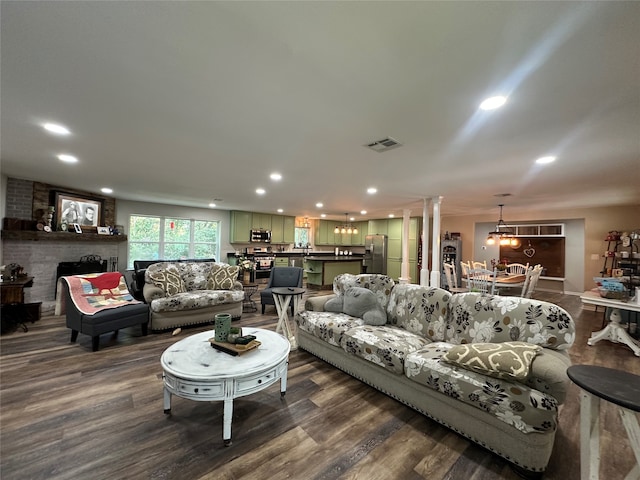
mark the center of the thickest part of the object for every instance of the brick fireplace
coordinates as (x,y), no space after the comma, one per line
(39,253)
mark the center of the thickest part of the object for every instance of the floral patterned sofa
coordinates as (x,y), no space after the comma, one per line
(491,368)
(189,293)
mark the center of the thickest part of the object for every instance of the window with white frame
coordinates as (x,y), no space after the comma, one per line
(155,238)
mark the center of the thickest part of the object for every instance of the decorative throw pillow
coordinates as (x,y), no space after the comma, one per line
(509,360)
(222,277)
(362,303)
(168,279)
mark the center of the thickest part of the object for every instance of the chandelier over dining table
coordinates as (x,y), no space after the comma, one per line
(347,228)
(503,234)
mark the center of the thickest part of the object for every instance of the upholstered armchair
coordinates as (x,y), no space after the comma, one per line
(99,303)
(280,277)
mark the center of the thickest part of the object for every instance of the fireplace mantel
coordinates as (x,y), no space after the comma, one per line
(27,235)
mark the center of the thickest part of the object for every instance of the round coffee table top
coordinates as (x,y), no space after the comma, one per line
(288,290)
(193,358)
(615,386)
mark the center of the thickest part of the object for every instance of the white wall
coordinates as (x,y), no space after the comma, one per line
(3,208)
(126,208)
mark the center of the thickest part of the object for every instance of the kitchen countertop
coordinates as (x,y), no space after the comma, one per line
(334,258)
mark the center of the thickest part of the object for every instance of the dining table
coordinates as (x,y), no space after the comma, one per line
(506,280)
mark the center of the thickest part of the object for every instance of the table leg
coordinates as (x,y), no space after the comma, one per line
(615,333)
(589,436)
(630,422)
(283,380)
(226,421)
(282,306)
(167,401)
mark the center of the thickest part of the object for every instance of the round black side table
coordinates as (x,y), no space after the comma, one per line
(617,387)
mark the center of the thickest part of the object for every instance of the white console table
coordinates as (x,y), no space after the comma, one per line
(613,332)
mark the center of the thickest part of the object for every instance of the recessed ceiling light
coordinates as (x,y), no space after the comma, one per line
(323,215)
(276,176)
(319,205)
(57,129)
(372,190)
(547,159)
(363,212)
(493,102)
(67,158)
(212,205)
(280,210)
(260,191)
(106,190)
(391,215)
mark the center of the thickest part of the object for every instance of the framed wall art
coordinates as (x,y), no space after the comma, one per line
(77,209)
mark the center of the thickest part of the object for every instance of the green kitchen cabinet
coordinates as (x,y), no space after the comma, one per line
(378,227)
(282,228)
(281,262)
(324,233)
(359,238)
(289,229)
(320,234)
(394,228)
(240,226)
(277,229)
(261,221)
(394,268)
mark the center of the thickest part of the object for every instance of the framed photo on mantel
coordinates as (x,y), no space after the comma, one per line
(73,209)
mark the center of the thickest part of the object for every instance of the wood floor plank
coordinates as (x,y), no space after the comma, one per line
(69,413)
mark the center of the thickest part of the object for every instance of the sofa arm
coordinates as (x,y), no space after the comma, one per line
(237,286)
(151,292)
(316,304)
(549,373)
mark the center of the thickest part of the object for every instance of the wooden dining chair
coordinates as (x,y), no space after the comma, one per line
(452,278)
(464,268)
(530,281)
(517,268)
(482,280)
(477,265)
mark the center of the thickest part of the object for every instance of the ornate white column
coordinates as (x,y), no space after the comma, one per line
(424,269)
(404,269)
(435,253)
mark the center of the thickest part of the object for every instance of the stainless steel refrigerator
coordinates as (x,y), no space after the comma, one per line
(375,254)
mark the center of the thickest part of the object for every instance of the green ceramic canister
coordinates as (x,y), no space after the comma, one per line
(222,326)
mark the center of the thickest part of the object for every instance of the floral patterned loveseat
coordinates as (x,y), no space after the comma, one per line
(189,293)
(491,368)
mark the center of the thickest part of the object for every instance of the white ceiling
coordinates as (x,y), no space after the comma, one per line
(187,102)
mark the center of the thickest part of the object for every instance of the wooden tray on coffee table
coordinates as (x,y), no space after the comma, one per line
(234,349)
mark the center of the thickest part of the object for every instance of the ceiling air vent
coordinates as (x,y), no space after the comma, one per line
(383,145)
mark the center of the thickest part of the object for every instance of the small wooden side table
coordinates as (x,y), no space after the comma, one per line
(14,311)
(615,386)
(282,297)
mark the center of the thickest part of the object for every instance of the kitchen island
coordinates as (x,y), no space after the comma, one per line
(321,270)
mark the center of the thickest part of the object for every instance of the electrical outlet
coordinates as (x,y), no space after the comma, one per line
(595,256)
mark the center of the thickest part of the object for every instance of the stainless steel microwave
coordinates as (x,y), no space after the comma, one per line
(260,236)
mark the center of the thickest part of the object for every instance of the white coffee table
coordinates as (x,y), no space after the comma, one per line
(196,371)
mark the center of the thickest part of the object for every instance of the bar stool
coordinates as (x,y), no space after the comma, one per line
(615,386)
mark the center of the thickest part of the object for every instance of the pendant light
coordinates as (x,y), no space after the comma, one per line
(347,228)
(502,234)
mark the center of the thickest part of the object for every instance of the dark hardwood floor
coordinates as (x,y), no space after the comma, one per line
(69,413)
